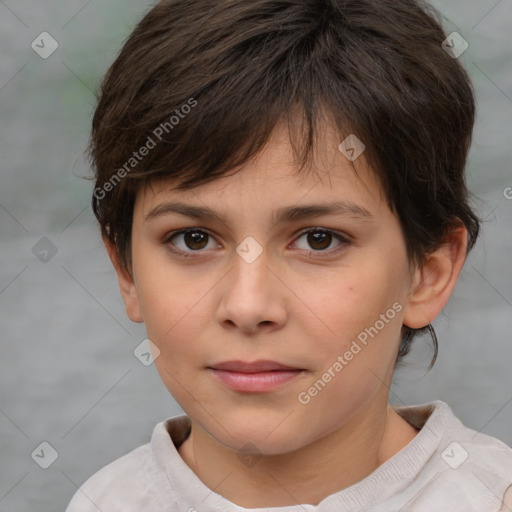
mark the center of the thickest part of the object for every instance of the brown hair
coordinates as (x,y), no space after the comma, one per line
(199,86)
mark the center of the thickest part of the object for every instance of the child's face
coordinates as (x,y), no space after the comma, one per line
(301,303)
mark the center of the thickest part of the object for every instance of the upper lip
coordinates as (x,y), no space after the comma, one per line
(251,367)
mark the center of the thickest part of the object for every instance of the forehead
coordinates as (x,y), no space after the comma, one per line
(272,178)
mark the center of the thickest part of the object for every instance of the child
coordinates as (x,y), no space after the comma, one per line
(232,140)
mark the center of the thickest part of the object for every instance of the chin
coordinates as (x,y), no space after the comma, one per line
(269,436)
(261,445)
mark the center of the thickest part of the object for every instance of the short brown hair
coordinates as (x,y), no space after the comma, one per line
(376,67)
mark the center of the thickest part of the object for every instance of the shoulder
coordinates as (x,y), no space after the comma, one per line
(468,470)
(133,482)
(465,450)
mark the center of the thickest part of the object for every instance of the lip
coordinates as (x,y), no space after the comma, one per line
(252,367)
(254,377)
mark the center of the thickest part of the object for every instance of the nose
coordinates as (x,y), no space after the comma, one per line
(253,297)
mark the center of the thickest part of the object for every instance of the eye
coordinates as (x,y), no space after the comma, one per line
(193,239)
(186,242)
(321,239)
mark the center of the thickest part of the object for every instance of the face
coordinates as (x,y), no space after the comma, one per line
(321,292)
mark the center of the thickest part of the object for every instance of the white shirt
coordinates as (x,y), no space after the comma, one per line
(447,467)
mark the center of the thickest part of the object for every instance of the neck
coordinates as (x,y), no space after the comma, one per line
(340,459)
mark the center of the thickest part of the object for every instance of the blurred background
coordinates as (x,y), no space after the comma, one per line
(69,376)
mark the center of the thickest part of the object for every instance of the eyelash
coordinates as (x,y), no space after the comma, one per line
(344,241)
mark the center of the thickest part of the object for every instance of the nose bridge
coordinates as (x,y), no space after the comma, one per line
(251,295)
(251,272)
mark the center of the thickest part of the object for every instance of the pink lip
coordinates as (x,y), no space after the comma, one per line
(254,367)
(255,377)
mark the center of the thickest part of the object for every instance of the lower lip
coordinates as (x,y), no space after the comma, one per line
(255,382)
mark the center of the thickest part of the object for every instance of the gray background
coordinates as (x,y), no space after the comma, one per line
(69,376)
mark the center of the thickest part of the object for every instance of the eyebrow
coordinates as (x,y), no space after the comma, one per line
(282,215)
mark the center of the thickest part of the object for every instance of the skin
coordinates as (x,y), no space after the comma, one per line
(299,303)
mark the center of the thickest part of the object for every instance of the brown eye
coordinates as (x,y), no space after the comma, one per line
(320,241)
(188,241)
(195,240)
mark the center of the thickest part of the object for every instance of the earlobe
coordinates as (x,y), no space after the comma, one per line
(434,282)
(126,284)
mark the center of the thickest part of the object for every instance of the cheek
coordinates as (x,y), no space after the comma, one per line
(357,334)
(175,322)
(361,305)
(174,306)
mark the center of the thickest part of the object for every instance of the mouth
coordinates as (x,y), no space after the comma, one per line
(254,377)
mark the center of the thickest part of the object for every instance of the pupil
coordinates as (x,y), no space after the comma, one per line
(194,240)
(317,237)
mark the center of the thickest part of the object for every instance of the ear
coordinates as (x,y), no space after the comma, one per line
(434,281)
(126,284)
